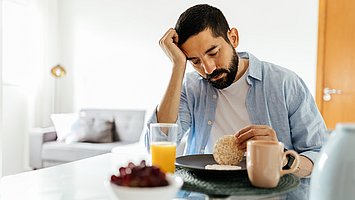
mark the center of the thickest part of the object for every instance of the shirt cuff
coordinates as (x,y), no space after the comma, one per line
(311,155)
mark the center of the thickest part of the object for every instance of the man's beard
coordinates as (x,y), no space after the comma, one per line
(229,78)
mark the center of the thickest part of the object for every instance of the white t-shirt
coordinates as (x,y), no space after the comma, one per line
(231,111)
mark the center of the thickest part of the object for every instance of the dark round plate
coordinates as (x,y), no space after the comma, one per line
(196,164)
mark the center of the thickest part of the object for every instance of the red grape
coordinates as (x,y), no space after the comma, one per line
(140,176)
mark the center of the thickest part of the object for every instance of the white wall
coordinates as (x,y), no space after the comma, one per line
(111,50)
(15,82)
(29,51)
(44,54)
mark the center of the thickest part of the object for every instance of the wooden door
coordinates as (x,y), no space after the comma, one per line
(336,61)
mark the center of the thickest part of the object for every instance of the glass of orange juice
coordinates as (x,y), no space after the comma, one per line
(163,137)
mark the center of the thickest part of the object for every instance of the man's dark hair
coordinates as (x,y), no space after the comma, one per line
(198,18)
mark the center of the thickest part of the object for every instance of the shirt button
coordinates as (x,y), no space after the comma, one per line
(209,122)
(214,96)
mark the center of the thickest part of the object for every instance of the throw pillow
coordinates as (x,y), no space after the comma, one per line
(128,128)
(62,124)
(91,129)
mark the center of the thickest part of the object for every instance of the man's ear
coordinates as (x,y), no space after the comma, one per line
(233,37)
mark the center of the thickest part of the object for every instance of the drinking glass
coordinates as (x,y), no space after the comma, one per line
(163,137)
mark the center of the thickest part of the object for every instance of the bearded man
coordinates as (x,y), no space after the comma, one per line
(233,93)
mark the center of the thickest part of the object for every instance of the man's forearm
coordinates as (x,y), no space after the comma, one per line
(169,107)
(305,167)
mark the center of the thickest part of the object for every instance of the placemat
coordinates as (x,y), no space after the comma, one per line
(233,186)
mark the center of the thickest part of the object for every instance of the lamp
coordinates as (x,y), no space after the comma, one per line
(58,71)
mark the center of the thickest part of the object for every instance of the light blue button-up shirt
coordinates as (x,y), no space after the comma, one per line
(277,97)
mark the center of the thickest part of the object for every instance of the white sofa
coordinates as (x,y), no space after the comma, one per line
(46,151)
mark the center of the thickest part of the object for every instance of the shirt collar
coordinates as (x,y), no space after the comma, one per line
(254,69)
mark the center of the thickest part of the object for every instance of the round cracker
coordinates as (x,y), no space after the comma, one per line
(226,152)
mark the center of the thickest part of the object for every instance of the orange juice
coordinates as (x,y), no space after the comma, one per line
(163,155)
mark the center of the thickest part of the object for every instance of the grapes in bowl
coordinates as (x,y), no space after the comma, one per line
(135,182)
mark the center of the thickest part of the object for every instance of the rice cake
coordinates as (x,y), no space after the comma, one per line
(226,152)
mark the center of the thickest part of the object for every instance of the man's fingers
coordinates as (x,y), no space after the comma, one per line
(168,43)
(167,36)
(257,132)
(243,130)
(168,32)
(247,128)
(175,38)
(243,145)
(254,132)
(250,134)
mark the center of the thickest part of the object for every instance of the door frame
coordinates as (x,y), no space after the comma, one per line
(321,53)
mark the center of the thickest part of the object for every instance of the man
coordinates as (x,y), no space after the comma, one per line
(233,93)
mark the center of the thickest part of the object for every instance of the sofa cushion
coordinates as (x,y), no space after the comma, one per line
(63,152)
(91,129)
(128,123)
(62,123)
(128,127)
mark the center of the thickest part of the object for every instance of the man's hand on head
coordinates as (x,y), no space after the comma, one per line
(254,132)
(169,45)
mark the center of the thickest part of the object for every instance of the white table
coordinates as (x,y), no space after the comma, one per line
(84,180)
(78,180)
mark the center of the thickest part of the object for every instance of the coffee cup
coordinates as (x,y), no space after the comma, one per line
(265,160)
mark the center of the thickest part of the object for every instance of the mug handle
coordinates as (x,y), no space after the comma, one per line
(295,164)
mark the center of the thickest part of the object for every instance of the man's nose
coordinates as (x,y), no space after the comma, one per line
(209,66)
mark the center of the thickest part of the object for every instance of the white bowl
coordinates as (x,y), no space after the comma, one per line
(147,193)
